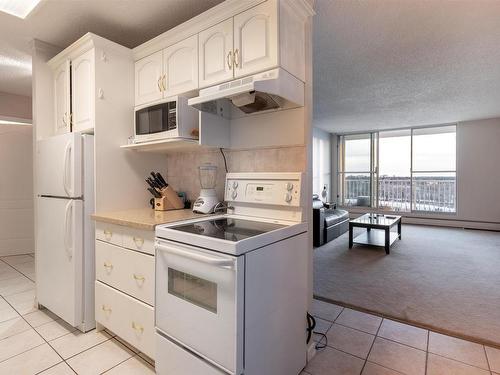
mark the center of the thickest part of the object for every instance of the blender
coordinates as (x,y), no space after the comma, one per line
(207,200)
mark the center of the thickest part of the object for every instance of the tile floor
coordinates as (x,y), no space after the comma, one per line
(360,343)
(37,342)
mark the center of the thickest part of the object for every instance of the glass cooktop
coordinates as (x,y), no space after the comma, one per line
(228,229)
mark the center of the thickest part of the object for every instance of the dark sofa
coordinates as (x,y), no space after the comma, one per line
(328,223)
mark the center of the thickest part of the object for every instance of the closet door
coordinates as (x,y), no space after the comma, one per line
(82,96)
(180,67)
(215,46)
(148,74)
(62,98)
(256,39)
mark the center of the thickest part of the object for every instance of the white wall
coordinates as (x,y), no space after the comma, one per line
(322,158)
(15,106)
(16,190)
(478,170)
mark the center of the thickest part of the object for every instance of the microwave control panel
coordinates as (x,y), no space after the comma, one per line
(282,189)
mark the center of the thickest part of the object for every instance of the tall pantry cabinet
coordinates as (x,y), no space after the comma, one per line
(73,93)
(93,92)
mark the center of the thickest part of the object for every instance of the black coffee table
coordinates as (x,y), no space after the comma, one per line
(382,236)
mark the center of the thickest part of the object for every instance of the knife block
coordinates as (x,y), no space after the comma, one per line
(169,200)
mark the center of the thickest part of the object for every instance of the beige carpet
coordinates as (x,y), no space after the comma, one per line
(444,279)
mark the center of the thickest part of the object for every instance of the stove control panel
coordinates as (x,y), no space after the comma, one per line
(281,189)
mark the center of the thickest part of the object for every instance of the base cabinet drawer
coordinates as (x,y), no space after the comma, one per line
(127,317)
(129,271)
(109,233)
(176,360)
(140,240)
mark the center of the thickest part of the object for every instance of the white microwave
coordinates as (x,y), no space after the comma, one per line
(171,118)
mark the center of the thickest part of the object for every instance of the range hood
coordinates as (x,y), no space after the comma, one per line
(264,92)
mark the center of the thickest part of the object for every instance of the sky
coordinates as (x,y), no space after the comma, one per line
(432,152)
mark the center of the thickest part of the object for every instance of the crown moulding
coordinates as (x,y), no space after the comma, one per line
(85,43)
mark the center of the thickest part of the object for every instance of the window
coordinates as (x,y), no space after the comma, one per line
(401,170)
(434,169)
(394,183)
(357,172)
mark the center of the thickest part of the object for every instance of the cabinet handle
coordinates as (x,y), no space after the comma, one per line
(71,118)
(158,82)
(236,57)
(106,309)
(108,234)
(64,118)
(229,58)
(108,265)
(139,241)
(164,82)
(139,278)
(137,327)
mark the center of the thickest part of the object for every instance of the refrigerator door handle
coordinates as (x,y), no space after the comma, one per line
(67,153)
(68,224)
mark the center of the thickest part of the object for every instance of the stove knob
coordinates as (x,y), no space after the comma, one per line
(288,197)
(234,194)
(289,186)
(235,184)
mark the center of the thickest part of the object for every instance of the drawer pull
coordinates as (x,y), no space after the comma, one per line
(139,277)
(137,327)
(139,241)
(106,309)
(108,234)
(107,265)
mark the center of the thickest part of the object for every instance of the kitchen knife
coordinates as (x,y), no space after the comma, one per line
(154,192)
(150,182)
(162,180)
(158,182)
(153,183)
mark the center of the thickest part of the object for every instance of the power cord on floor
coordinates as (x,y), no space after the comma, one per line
(319,344)
(311,324)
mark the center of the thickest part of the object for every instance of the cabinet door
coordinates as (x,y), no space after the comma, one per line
(62,98)
(180,66)
(256,39)
(82,95)
(216,53)
(148,73)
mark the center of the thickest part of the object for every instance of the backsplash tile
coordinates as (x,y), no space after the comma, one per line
(182,168)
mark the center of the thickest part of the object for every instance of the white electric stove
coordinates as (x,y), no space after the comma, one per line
(231,290)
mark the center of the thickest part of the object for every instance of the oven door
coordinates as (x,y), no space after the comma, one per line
(200,301)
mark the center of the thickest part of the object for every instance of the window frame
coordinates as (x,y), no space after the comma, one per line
(374,173)
(373,137)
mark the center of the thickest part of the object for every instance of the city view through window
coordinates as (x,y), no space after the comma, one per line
(401,170)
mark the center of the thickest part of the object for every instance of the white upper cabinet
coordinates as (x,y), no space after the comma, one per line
(62,98)
(82,98)
(269,35)
(256,39)
(148,77)
(215,46)
(180,67)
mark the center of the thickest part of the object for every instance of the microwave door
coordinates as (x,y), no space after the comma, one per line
(151,120)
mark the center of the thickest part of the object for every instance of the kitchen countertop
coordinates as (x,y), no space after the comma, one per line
(144,218)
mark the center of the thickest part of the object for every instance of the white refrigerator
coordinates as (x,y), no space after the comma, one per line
(64,254)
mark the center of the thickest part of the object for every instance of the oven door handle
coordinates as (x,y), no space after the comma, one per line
(203,258)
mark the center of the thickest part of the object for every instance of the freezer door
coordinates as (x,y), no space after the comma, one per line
(59,166)
(59,257)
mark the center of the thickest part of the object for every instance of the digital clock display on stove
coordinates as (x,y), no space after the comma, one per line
(260,188)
